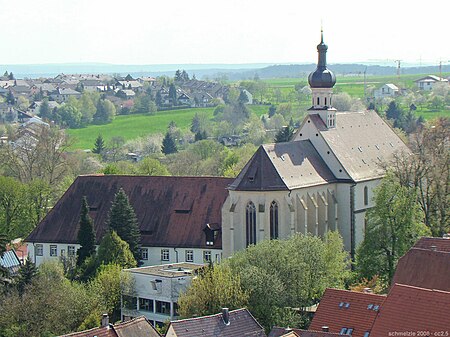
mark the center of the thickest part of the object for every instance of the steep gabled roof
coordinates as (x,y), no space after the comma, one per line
(241,323)
(438,244)
(361,141)
(424,268)
(408,309)
(136,327)
(340,309)
(283,166)
(171,211)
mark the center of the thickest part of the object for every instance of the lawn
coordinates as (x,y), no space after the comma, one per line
(133,126)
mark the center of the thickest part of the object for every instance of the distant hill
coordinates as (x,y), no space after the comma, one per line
(230,71)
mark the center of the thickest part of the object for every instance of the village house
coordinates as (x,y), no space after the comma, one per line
(387,90)
(156,291)
(61,95)
(426,83)
(179,217)
(232,323)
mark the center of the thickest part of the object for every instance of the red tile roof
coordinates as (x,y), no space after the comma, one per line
(171,211)
(440,244)
(242,323)
(424,268)
(284,332)
(346,309)
(136,327)
(406,309)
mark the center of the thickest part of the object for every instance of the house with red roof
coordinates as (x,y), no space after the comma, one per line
(233,323)
(424,268)
(137,327)
(347,312)
(413,311)
(436,244)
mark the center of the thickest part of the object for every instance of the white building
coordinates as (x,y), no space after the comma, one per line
(321,180)
(179,217)
(156,291)
(387,90)
(426,83)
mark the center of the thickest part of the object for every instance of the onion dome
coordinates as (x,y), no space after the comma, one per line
(322,77)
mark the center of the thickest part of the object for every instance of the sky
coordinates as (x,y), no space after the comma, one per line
(222,31)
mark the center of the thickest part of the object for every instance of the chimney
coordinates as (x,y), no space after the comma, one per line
(105,320)
(226,316)
(433,248)
(325,328)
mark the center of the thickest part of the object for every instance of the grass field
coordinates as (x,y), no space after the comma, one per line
(133,126)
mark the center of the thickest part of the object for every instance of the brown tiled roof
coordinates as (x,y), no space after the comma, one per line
(360,141)
(441,244)
(424,268)
(171,211)
(412,309)
(242,323)
(347,309)
(284,332)
(136,327)
(283,166)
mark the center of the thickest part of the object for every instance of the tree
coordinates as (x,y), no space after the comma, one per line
(168,144)
(393,111)
(243,98)
(27,272)
(11,76)
(86,235)
(393,226)
(215,288)
(45,111)
(114,250)
(10,99)
(284,134)
(158,99)
(105,112)
(427,171)
(108,285)
(70,116)
(99,145)
(272,110)
(152,167)
(122,219)
(173,94)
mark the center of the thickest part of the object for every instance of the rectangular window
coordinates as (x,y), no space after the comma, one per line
(189,256)
(39,249)
(71,250)
(165,255)
(207,256)
(162,307)
(145,304)
(144,253)
(175,309)
(53,250)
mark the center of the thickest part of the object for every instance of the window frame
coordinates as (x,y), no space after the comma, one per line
(53,250)
(144,253)
(39,249)
(274,220)
(189,255)
(71,251)
(165,254)
(250,224)
(149,304)
(207,253)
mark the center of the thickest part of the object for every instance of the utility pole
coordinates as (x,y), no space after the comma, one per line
(398,68)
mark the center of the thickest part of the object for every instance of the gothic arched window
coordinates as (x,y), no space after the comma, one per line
(366,196)
(250,223)
(274,220)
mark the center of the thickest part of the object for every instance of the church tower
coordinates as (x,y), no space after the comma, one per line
(321,82)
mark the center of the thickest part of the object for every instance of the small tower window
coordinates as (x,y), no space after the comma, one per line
(325,101)
(250,224)
(366,196)
(318,101)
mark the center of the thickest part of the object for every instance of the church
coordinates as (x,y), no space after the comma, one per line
(323,179)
